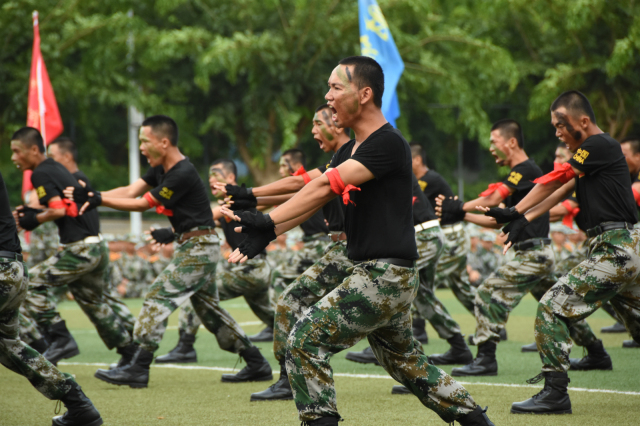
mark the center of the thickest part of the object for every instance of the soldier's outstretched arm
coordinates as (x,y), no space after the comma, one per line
(549,184)
(288,185)
(551,201)
(133,190)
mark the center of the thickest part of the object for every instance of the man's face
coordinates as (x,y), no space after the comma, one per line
(151,146)
(416,165)
(567,128)
(285,167)
(343,96)
(323,130)
(499,147)
(558,238)
(633,159)
(58,155)
(23,155)
(562,155)
(218,175)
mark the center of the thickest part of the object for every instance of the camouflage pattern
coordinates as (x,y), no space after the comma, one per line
(29,332)
(189,276)
(483,261)
(16,355)
(569,262)
(373,302)
(297,262)
(504,289)
(249,280)
(82,267)
(139,273)
(452,266)
(315,283)
(158,263)
(430,247)
(610,273)
(44,243)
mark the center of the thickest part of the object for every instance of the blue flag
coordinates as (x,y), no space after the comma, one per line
(377,43)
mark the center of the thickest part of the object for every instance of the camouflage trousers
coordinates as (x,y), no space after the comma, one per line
(452,266)
(82,267)
(499,294)
(29,332)
(189,276)
(16,355)
(298,262)
(430,247)
(374,301)
(609,274)
(249,280)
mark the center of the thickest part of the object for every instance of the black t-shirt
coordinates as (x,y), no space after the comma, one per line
(93,219)
(314,225)
(579,218)
(50,179)
(380,223)
(521,179)
(604,190)
(422,208)
(433,184)
(181,191)
(333,210)
(9,240)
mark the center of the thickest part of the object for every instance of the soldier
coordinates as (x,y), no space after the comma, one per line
(561,244)
(611,270)
(484,260)
(250,280)
(80,265)
(16,355)
(372,175)
(534,259)
(173,186)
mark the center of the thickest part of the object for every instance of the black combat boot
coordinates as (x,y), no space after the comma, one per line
(257,369)
(135,374)
(183,353)
(531,347)
(618,327)
(597,359)
(400,390)
(126,355)
(265,335)
(80,410)
(458,354)
(279,391)
(322,421)
(630,344)
(478,417)
(552,399)
(485,363)
(62,345)
(503,334)
(419,331)
(40,345)
(364,357)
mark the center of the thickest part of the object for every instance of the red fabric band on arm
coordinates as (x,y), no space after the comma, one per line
(160,209)
(338,187)
(502,189)
(302,172)
(572,212)
(636,195)
(563,174)
(70,208)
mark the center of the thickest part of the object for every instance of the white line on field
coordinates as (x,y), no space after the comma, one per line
(360,376)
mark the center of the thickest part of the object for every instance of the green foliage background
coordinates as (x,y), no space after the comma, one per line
(242,77)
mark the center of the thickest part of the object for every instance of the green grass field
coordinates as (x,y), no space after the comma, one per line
(195,396)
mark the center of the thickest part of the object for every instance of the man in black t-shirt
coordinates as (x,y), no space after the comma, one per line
(372,175)
(250,280)
(14,353)
(599,175)
(534,260)
(80,265)
(173,186)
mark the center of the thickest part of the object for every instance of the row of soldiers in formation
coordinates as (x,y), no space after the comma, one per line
(369,255)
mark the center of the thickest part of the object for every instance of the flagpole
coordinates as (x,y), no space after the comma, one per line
(135,118)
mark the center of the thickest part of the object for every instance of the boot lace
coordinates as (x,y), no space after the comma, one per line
(239,360)
(533,381)
(58,407)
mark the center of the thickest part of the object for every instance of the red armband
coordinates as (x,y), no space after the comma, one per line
(70,208)
(302,172)
(563,174)
(636,195)
(413,201)
(502,189)
(160,209)
(572,212)
(338,187)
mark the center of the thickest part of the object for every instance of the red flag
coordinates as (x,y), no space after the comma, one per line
(42,111)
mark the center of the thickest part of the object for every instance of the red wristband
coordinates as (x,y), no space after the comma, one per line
(302,172)
(338,186)
(70,208)
(502,189)
(563,174)
(160,209)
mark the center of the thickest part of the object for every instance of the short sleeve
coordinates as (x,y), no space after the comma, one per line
(150,177)
(44,186)
(595,153)
(521,176)
(324,167)
(382,155)
(173,187)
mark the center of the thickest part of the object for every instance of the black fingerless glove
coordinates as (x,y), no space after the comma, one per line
(29,221)
(257,240)
(81,196)
(452,211)
(242,204)
(503,215)
(240,192)
(255,221)
(163,235)
(514,229)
